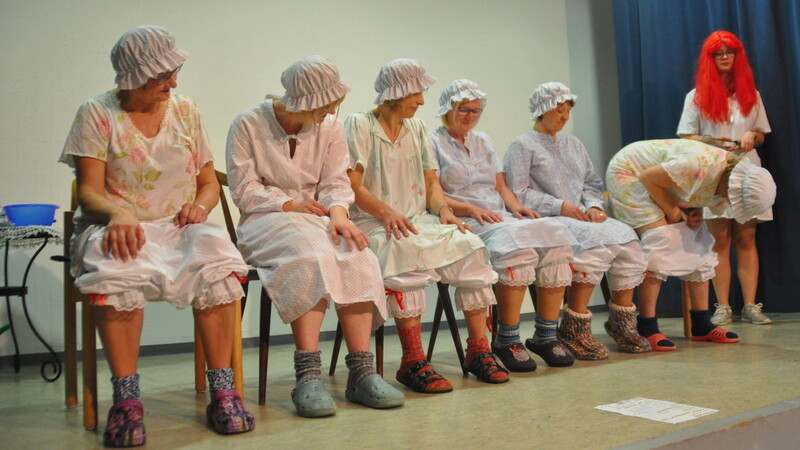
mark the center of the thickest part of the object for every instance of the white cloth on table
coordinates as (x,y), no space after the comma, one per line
(677,250)
(694,166)
(468,173)
(152,178)
(692,122)
(296,258)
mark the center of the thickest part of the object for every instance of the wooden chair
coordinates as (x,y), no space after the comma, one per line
(72,296)
(266,302)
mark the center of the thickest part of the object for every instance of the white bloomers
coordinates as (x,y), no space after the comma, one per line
(677,250)
(193,265)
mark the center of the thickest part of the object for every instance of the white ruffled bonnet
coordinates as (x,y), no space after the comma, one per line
(456,92)
(548,96)
(399,78)
(751,190)
(144,52)
(311,83)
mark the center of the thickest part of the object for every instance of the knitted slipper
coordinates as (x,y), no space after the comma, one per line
(514,357)
(227,415)
(419,377)
(125,425)
(312,400)
(719,335)
(660,343)
(552,352)
(375,392)
(483,365)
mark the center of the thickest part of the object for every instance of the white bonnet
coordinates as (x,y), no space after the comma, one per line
(456,92)
(399,78)
(311,83)
(751,190)
(548,96)
(144,52)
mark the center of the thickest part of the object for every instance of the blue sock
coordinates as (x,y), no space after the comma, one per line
(545,330)
(507,334)
(701,324)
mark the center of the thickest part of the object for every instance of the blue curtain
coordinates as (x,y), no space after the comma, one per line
(658,43)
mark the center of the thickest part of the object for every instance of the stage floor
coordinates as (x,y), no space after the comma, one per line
(549,408)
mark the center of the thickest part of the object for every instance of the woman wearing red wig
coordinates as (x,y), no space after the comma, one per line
(725,109)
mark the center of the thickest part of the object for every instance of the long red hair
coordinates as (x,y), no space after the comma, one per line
(711,94)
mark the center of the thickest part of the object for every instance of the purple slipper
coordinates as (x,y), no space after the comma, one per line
(227,414)
(125,425)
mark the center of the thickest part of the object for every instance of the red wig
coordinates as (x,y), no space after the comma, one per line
(711,94)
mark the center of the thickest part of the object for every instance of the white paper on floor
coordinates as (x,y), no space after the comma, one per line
(658,410)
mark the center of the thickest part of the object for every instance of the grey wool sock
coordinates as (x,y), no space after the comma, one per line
(307,366)
(360,366)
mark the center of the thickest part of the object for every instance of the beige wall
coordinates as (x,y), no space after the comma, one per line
(55,55)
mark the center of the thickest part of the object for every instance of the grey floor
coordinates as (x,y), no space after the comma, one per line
(550,408)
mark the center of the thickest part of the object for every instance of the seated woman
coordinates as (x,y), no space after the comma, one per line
(287,161)
(551,173)
(393,173)
(145,186)
(658,188)
(523,251)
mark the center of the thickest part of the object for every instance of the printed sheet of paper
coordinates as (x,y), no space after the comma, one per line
(658,410)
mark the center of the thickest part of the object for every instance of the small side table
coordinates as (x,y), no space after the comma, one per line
(27,236)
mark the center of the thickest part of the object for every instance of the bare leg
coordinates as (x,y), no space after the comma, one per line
(216,331)
(744,239)
(579,296)
(356,322)
(722,229)
(648,296)
(698,291)
(305,328)
(623,297)
(476,323)
(407,322)
(509,303)
(120,332)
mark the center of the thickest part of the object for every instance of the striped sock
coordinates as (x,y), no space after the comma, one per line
(545,330)
(307,366)
(507,334)
(360,366)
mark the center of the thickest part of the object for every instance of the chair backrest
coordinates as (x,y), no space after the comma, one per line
(222,178)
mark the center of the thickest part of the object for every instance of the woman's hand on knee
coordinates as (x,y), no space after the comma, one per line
(353,236)
(190,213)
(124,236)
(570,210)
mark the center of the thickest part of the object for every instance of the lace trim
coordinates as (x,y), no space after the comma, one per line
(581,277)
(470,299)
(31,235)
(555,284)
(627,283)
(517,276)
(656,275)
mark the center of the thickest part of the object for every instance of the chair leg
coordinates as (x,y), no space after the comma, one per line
(263,345)
(379,350)
(437,318)
(236,352)
(337,345)
(687,306)
(606,290)
(494,321)
(199,361)
(89,366)
(450,314)
(70,342)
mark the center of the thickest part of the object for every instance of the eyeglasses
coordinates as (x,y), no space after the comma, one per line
(723,54)
(161,79)
(465,111)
